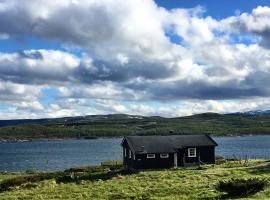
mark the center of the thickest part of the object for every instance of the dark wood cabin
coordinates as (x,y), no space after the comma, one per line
(152,152)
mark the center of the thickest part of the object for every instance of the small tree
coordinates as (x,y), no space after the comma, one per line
(242,187)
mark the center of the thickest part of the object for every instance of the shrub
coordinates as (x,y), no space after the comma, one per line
(17,181)
(8,184)
(242,187)
(30,171)
(86,169)
(219,159)
(112,163)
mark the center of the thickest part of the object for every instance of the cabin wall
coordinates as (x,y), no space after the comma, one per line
(207,155)
(128,162)
(204,154)
(191,159)
(142,162)
(180,158)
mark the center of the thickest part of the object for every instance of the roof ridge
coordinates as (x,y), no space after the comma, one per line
(167,143)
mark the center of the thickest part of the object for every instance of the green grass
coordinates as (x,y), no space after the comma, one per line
(181,183)
(4,176)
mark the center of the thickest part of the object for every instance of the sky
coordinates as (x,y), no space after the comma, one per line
(143,57)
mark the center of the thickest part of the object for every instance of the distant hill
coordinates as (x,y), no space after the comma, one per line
(71,120)
(253,113)
(122,124)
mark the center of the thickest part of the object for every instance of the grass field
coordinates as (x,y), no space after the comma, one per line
(181,183)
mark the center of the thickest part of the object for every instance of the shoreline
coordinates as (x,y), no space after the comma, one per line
(15,140)
(37,171)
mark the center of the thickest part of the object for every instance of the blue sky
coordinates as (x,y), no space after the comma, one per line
(25,43)
(216,9)
(168,58)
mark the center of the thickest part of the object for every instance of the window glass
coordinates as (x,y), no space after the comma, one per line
(164,155)
(151,156)
(191,152)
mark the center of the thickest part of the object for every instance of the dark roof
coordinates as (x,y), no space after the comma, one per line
(166,144)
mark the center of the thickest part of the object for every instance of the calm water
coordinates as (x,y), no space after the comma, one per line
(59,155)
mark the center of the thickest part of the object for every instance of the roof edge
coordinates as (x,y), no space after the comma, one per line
(129,143)
(216,144)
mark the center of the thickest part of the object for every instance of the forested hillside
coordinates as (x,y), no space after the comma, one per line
(119,125)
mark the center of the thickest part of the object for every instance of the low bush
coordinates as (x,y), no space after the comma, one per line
(112,164)
(8,184)
(31,171)
(241,187)
(77,177)
(219,159)
(103,167)
(86,169)
(17,181)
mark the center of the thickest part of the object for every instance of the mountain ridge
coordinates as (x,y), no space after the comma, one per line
(91,118)
(122,124)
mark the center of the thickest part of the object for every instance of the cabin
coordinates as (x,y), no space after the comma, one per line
(155,152)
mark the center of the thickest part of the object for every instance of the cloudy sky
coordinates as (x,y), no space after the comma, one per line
(146,57)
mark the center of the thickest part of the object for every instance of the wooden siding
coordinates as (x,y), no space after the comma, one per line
(129,163)
(207,155)
(142,162)
(204,155)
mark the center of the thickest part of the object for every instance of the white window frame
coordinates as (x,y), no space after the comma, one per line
(150,155)
(191,155)
(129,153)
(125,150)
(164,155)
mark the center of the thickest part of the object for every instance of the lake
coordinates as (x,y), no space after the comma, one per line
(62,154)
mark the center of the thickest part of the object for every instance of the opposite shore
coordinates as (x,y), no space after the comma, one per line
(55,138)
(102,137)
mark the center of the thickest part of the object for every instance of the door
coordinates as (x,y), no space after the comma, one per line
(175,160)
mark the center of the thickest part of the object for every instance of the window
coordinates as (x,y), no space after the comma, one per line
(151,155)
(191,152)
(164,155)
(129,153)
(134,157)
(125,150)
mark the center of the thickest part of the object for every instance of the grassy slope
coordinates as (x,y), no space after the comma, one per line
(166,184)
(8,176)
(208,123)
